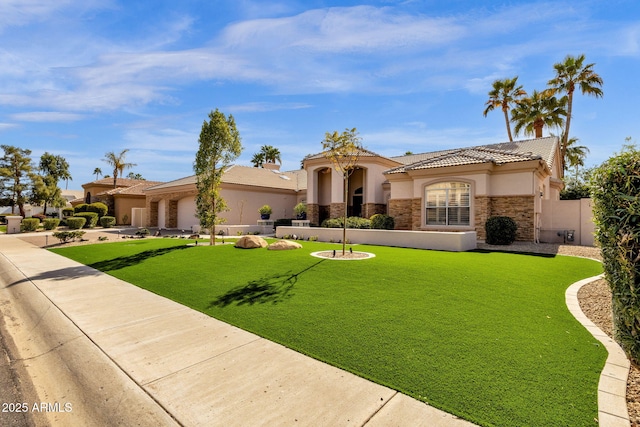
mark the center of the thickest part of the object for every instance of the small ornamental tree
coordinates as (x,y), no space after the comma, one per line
(220,145)
(343,150)
(615,189)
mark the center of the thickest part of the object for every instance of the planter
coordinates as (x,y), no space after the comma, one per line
(265,216)
(301,216)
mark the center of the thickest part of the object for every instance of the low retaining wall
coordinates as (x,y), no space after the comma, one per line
(438,240)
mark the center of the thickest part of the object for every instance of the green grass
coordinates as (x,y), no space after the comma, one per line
(486,336)
(3,228)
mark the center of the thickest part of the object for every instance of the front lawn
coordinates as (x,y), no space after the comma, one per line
(485,336)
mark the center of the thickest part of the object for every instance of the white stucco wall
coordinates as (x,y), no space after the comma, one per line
(161,214)
(186,213)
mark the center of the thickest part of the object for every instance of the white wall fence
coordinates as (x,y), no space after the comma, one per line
(561,219)
(438,240)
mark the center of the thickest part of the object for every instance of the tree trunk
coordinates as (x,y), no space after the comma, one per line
(344,225)
(506,119)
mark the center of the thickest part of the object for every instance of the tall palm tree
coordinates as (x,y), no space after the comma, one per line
(504,94)
(97,172)
(258,160)
(271,154)
(570,74)
(575,155)
(118,163)
(540,109)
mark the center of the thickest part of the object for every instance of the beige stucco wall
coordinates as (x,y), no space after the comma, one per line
(162,223)
(560,215)
(123,206)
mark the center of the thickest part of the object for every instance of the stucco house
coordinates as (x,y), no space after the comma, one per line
(127,195)
(447,190)
(245,189)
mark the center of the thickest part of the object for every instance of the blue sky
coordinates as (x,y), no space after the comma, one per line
(82,77)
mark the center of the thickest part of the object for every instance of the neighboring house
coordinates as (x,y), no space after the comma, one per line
(128,194)
(244,189)
(448,190)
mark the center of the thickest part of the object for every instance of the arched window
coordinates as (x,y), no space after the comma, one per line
(447,203)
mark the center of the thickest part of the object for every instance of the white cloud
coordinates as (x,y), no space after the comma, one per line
(260,107)
(47,116)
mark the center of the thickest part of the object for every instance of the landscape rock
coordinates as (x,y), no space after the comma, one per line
(251,242)
(283,245)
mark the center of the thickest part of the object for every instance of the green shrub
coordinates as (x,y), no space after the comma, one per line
(99,208)
(382,222)
(68,212)
(143,232)
(615,189)
(51,223)
(91,217)
(82,207)
(76,222)
(501,230)
(107,221)
(65,236)
(352,222)
(29,224)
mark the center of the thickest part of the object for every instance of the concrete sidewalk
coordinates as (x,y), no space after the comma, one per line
(120,355)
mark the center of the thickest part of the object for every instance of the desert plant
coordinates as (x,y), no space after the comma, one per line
(76,222)
(65,236)
(50,223)
(29,224)
(107,221)
(265,210)
(382,222)
(615,187)
(143,232)
(501,230)
(99,208)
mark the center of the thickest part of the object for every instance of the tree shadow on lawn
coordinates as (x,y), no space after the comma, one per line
(128,261)
(268,289)
(506,251)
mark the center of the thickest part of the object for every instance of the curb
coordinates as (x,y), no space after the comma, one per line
(612,387)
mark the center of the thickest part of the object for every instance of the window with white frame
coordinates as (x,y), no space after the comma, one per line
(447,203)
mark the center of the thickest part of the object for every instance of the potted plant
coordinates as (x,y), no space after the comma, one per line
(265,212)
(300,210)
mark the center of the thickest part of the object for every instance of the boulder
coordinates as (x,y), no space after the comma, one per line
(251,242)
(283,245)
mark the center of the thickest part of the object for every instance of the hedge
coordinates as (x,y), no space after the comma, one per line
(352,222)
(382,222)
(75,222)
(50,223)
(68,212)
(107,221)
(91,217)
(82,207)
(501,230)
(29,224)
(99,208)
(615,190)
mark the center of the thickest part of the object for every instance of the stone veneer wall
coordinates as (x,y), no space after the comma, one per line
(336,210)
(482,211)
(313,213)
(521,209)
(152,213)
(401,211)
(370,209)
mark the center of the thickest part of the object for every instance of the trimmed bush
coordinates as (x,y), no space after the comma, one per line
(29,224)
(91,217)
(82,207)
(352,222)
(50,223)
(501,230)
(99,208)
(65,236)
(68,212)
(76,222)
(382,222)
(615,189)
(107,221)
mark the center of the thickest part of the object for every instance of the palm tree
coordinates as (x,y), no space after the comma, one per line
(118,163)
(97,172)
(271,154)
(569,74)
(540,109)
(575,155)
(258,160)
(504,94)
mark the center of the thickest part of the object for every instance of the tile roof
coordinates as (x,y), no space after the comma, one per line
(251,176)
(362,153)
(120,182)
(136,189)
(506,152)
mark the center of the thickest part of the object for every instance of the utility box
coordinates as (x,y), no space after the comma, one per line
(13,224)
